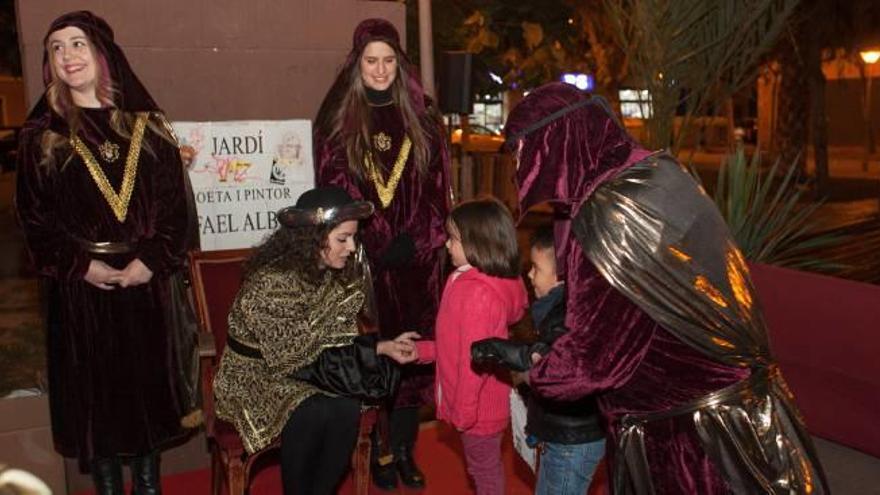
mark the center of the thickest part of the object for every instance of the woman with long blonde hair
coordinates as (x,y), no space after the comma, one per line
(101,198)
(378,136)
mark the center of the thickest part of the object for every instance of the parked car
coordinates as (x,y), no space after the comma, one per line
(480,139)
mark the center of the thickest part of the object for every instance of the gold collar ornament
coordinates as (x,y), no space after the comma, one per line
(118,201)
(385,190)
(109,151)
(382,141)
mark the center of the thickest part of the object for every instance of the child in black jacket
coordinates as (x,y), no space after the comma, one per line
(568,434)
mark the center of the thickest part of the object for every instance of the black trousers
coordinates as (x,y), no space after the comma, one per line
(403,428)
(317,444)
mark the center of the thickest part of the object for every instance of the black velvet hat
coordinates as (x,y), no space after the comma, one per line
(324,205)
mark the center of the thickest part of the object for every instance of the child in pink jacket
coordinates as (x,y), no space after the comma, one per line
(481,299)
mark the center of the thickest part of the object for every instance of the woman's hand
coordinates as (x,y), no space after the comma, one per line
(136,273)
(102,275)
(407,341)
(402,349)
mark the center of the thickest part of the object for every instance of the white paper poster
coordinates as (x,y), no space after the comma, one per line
(242,173)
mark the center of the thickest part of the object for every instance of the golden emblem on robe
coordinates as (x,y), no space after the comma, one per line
(382,141)
(118,201)
(109,151)
(385,189)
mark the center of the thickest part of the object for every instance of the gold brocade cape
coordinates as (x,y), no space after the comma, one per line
(656,237)
(290,321)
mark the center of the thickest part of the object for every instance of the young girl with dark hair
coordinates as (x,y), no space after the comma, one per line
(481,299)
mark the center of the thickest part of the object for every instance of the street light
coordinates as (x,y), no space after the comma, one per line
(869,57)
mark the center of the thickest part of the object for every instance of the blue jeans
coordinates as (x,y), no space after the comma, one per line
(568,469)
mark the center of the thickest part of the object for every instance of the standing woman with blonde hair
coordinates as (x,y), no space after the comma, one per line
(378,136)
(101,199)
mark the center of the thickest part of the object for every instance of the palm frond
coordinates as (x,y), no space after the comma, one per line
(769,218)
(709,47)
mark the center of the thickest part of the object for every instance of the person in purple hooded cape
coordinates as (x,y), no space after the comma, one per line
(102,200)
(665,324)
(381,139)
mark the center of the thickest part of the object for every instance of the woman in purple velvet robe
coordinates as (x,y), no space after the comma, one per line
(101,199)
(665,325)
(379,137)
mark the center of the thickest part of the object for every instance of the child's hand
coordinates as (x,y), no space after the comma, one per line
(408,337)
(399,351)
(402,349)
(407,341)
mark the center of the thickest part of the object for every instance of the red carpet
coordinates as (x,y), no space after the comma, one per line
(438,452)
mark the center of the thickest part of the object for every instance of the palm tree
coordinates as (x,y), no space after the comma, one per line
(791,131)
(693,53)
(819,29)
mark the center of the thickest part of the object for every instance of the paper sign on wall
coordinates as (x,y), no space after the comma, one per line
(242,173)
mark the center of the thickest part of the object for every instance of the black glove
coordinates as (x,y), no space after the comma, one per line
(513,355)
(541,348)
(400,251)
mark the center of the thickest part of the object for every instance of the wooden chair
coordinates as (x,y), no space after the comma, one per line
(216,277)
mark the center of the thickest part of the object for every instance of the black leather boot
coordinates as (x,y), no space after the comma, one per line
(107,476)
(145,475)
(384,475)
(382,468)
(410,474)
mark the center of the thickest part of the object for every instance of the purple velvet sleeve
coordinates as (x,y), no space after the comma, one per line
(608,337)
(53,251)
(440,193)
(164,249)
(331,167)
